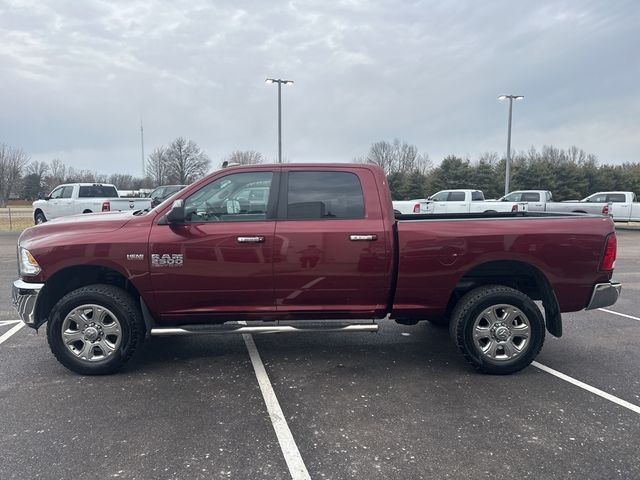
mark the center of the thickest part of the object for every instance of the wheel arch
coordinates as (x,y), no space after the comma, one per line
(518,275)
(72,278)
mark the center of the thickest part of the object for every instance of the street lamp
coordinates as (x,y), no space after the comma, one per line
(511,99)
(280,82)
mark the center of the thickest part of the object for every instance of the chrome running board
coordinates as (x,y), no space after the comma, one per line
(297,327)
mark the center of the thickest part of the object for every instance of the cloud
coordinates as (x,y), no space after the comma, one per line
(82,75)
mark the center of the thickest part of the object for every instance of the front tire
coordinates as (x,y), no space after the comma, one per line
(95,330)
(499,330)
(39,218)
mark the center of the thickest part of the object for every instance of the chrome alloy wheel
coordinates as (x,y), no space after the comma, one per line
(501,332)
(91,332)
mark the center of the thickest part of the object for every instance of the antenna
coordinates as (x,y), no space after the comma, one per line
(142,146)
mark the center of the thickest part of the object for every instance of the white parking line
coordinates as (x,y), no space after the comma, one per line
(589,388)
(297,468)
(13,330)
(620,314)
(8,322)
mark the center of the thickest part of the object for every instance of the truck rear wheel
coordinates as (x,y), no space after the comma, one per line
(95,329)
(499,330)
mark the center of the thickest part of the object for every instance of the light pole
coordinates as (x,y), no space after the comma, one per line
(506,175)
(280,82)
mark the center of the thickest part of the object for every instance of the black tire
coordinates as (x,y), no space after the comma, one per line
(115,301)
(87,211)
(39,218)
(471,314)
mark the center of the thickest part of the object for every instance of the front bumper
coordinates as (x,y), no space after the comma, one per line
(25,298)
(604,294)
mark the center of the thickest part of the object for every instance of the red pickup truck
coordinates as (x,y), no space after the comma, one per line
(271,248)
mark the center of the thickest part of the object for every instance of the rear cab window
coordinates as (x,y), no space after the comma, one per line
(97,191)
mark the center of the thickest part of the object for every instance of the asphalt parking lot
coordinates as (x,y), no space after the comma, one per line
(399,404)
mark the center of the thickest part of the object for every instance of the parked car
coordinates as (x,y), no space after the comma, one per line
(623,206)
(163,192)
(325,245)
(542,201)
(465,201)
(75,198)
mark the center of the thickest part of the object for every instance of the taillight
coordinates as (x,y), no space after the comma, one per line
(605,209)
(610,250)
(106,206)
(416,208)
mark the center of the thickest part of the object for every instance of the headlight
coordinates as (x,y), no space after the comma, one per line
(27,264)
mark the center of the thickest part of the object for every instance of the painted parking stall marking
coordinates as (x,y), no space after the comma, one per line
(15,329)
(292,456)
(589,388)
(619,314)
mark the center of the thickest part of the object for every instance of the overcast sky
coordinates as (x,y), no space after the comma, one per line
(77,77)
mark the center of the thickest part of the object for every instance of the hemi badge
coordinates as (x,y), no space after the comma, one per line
(135,256)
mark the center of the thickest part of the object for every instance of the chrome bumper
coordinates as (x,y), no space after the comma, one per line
(604,294)
(25,297)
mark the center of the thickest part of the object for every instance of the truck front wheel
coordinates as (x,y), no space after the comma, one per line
(39,218)
(95,329)
(499,330)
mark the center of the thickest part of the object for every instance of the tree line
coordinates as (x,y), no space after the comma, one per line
(181,162)
(569,173)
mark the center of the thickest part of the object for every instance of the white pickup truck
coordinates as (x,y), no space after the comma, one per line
(541,201)
(623,206)
(77,198)
(466,201)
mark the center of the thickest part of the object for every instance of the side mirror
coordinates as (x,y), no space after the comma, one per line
(176,214)
(47,197)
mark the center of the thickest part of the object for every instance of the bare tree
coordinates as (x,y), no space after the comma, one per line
(12,162)
(122,181)
(186,162)
(39,168)
(396,157)
(245,157)
(157,166)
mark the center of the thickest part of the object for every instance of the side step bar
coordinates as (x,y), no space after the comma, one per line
(241,328)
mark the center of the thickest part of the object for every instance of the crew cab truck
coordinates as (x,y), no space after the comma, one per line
(322,252)
(623,206)
(76,198)
(542,201)
(465,201)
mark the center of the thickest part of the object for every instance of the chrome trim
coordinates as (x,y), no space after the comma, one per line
(226,329)
(257,239)
(604,294)
(363,238)
(25,298)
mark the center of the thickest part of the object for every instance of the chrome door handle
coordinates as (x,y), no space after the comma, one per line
(250,239)
(363,238)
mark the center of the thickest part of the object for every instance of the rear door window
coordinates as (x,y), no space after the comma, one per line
(324,195)
(476,196)
(617,198)
(530,197)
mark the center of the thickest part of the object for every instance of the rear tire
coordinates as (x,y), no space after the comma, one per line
(95,330)
(499,330)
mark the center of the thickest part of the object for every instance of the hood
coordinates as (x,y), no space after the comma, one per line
(83,223)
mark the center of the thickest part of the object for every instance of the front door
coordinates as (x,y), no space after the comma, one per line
(219,262)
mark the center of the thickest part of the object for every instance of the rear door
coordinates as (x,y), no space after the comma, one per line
(330,253)
(457,203)
(620,208)
(220,261)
